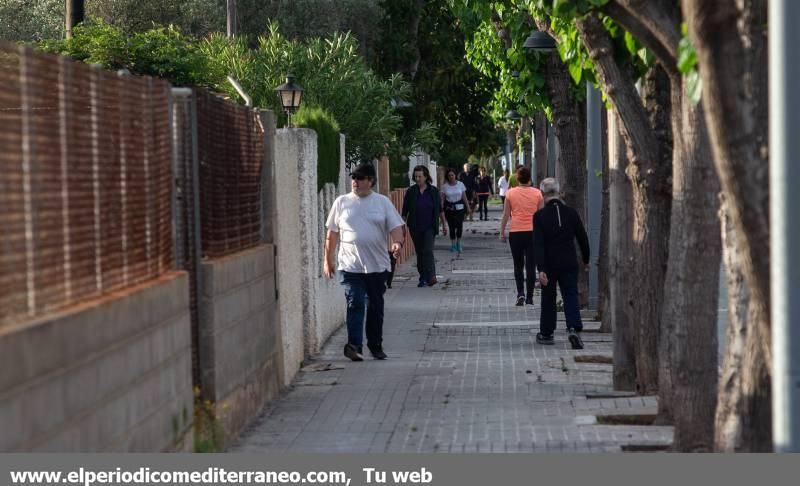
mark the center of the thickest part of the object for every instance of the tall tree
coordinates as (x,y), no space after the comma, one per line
(731,44)
(621,275)
(689,315)
(23,20)
(447,90)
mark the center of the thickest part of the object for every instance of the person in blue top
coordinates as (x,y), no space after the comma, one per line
(422,211)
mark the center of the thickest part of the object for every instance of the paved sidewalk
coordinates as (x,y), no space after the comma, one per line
(464,374)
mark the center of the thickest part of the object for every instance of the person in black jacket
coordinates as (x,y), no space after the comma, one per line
(422,211)
(556,227)
(469,177)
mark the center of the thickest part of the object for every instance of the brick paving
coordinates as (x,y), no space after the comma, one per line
(464,374)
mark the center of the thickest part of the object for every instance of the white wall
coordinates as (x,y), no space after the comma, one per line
(295,162)
(422,158)
(311,306)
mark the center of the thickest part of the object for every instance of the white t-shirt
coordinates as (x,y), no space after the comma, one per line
(453,193)
(362,224)
(503,185)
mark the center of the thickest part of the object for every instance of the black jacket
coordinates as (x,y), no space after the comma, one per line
(555,228)
(470,179)
(485,185)
(410,207)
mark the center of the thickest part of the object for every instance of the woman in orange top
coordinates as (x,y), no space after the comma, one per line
(522,202)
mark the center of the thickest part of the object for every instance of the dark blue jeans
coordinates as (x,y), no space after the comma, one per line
(364,289)
(568,283)
(423,245)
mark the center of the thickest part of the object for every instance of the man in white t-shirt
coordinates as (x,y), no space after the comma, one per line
(358,223)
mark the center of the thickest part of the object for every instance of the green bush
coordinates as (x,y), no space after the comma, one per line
(162,52)
(327,130)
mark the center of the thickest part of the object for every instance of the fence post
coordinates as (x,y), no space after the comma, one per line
(384,177)
(268,178)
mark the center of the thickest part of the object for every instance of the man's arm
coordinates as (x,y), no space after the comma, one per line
(331,240)
(398,240)
(583,240)
(538,249)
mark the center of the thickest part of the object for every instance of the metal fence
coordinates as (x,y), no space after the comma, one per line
(231,155)
(85,182)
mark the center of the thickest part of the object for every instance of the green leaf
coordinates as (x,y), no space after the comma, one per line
(631,43)
(576,71)
(694,86)
(687,58)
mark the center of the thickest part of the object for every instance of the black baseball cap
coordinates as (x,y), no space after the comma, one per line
(363,170)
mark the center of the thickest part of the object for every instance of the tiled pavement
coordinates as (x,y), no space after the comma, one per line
(463,375)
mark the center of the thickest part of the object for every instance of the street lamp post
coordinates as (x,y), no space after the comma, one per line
(542,42)
(291,95)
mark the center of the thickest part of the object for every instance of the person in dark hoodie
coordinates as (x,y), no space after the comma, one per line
(422,211)
(556,228)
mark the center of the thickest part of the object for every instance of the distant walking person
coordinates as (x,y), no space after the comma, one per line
(521,204)
(485,189)
(502,186)
(455,204)
(422,209)
(359,223)
(469,177)
(556,228)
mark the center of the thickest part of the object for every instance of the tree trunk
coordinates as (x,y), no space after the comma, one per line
(690,308)
(689,314)
(652,259)
(580,188)
(74,15)
(648,174)
(602,270)
(745,382)
(570,166)
(733,64)
(540,146)
(620,273)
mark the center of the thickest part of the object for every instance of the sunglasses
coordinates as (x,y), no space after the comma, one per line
(358,177)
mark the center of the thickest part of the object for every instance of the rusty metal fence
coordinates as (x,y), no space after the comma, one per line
(85,182)
(231,155)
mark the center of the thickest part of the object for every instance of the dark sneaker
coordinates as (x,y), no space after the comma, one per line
(575,339)
(542,339)
(421,284)
(432,282)
(377,353)
(353,352)
(529,300)
(520,300)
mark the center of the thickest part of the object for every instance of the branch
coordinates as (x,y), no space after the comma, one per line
(649,22)
(620,88)
(502,33)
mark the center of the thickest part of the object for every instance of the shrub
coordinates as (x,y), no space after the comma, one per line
(327,130)
(163,52)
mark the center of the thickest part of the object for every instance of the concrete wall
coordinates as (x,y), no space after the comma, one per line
(240,351)
(311,307)
(111,375)
(420,157)
(329,294)
(295,149)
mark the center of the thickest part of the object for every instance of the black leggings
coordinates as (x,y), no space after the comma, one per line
(455,223)
(483,209)
(521,243)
